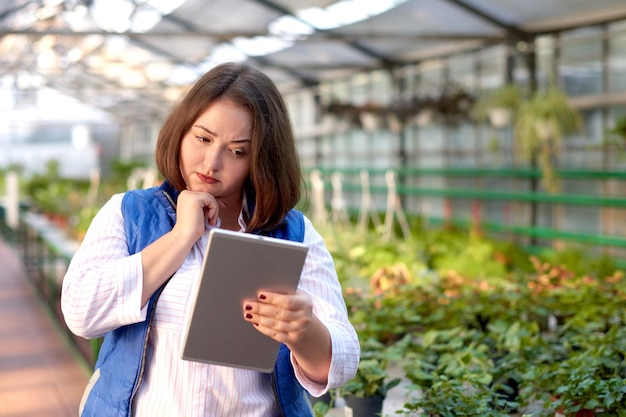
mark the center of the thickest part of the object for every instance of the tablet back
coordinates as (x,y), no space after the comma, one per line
(236,266)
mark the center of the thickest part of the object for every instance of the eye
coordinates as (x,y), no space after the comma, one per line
(202,139)
(238,152)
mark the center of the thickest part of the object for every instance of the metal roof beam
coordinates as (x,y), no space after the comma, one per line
(8,13)
(227,36)
(513,31)
(306,81)
(353,44)
(514,35)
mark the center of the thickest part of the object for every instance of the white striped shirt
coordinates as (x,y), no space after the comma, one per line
(102,291)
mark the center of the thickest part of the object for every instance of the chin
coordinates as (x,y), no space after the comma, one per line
(201,188)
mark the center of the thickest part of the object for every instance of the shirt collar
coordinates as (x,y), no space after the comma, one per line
(244,213)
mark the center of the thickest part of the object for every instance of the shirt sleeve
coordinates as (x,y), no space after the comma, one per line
(319,279)
(102,287)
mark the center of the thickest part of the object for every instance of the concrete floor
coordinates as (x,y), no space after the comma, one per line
(40,376)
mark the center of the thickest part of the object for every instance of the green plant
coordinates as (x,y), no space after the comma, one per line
(499,105)
(590,375)
(372,378)
(454,397)
(321,407)
(454,352)
(580,364)
(584,390)
(52,194)
(475,258)
(619,130)
(614,140)
(505,326)
(577,261)
(542,123)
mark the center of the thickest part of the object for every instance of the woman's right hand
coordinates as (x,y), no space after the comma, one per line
(194,210)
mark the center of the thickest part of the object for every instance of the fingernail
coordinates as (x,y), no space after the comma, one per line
(262,296)
(248,316)
(248,307)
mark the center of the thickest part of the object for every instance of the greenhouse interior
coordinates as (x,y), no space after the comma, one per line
(464,161)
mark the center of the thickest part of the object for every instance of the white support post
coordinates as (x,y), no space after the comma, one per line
(367,208)
(338,203)
(12,200)
(394,208)
(317,202)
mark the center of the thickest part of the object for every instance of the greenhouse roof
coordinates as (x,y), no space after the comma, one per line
(134,57)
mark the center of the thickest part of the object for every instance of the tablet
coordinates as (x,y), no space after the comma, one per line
(236,266)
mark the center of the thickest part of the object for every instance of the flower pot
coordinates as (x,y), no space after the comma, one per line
(327,398)
(580,413)
(370,121)
(394,123)
(363,407)
(500,117)
(424,118)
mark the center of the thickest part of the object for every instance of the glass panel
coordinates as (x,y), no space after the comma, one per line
(409,78)
(461,137)
(545,47)
(617,57)
(431,76)
(340,90)
(492,67)
(360,89)
(580,69)
(461,70)
(617,150)
(380,87)
(521,73)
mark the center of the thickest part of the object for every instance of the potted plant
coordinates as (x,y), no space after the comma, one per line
(364,394)
(541,124)
(580,370)
(322,405)
(619,129)
(455,396)
(499,105)
(616,137)
(588,381)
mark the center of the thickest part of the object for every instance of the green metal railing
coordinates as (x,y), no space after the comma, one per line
(521,173)
(351,184)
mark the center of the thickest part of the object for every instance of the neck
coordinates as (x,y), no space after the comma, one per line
(229,217)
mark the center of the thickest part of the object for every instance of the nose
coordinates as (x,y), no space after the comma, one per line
(213,159)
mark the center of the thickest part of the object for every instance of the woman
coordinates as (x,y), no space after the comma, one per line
(228,156)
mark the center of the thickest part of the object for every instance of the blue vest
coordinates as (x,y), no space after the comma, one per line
(148,215)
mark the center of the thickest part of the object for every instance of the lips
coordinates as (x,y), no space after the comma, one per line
(206,179)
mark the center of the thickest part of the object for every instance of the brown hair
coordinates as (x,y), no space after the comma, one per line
(275,176)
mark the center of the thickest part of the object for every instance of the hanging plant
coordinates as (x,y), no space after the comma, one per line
(619,129)
(499,106)
(542,123)
(451,105)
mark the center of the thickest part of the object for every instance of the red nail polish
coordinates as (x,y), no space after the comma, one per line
(262,296)
(248,307)
(248,316)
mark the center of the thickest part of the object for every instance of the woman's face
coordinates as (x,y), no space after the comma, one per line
(215,153)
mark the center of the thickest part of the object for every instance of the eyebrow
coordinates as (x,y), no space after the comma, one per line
(210,132)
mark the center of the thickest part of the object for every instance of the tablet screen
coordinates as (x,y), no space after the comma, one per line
(235,267)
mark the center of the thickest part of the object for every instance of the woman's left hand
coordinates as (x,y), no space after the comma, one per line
(289,319)
(283,317)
